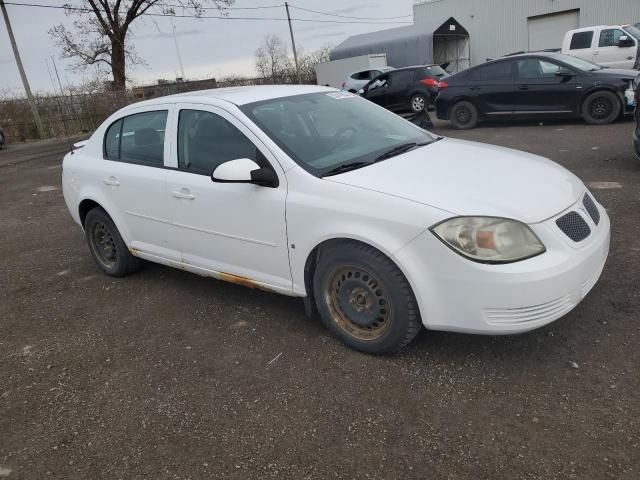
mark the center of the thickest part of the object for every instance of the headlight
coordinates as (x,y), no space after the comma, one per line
(489,239)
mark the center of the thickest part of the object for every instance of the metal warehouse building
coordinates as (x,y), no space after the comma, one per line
(464,33)
(499,27)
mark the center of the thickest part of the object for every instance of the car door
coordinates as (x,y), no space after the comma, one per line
(232,229)
(582,45)
(545,86)
(376,90)
(133,176)
(492,88)
(608,52)
(398,93)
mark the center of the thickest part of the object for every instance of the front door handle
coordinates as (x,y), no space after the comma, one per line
(183,194)
(523,87)
(111,181)
(474,88)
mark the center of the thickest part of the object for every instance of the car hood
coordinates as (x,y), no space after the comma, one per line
(469,178)
(618,73)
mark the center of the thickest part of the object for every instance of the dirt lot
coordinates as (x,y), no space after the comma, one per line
(167,375)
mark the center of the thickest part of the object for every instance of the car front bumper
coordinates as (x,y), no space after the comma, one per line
(456,294)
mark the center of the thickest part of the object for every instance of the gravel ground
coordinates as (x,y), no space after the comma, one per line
(167,375)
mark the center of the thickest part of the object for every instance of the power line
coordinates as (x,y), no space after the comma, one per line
(347,16)
(215,17)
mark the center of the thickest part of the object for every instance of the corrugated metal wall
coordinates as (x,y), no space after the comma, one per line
(498,27)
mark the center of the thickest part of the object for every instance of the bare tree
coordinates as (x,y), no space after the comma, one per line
(272,58)
(100,33)
(309,60)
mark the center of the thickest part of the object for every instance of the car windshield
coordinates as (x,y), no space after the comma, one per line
(578,63)
(326,131)
(633,31)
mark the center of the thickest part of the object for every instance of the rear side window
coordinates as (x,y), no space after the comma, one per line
(610,37)
(494,71)
(361,75)
(581,40)
(112,141)
(206,140)
(138,138)
(402,78)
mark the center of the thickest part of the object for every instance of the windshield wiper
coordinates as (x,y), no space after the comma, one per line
(347,167)
(398,150)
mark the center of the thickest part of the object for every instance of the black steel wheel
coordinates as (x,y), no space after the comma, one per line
(106,245)
(463,115)
(601,108)
(364,299)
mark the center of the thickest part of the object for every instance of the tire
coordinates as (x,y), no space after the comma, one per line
(364,299)
(463,115)
(106,245)
(601,108)
(418,103)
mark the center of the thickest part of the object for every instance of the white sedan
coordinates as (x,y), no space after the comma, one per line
(380,226)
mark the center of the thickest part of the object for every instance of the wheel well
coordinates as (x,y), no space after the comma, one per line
(597,90)
(85,207)
(457,101)
(312,263)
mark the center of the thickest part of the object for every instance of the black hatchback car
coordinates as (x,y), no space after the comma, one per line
(538,85)
(409,89)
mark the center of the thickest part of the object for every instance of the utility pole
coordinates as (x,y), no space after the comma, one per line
(175,41)
(23,75)
(293,43)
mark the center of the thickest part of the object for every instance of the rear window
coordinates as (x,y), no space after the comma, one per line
(581,40)
(433,71)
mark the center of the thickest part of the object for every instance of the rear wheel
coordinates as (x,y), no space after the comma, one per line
(364,299)
(464,115)
(601,108)
(107,247)
(418,103)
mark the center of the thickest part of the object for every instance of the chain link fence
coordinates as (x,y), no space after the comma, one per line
(82,113)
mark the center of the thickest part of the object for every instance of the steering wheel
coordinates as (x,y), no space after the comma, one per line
(339,137)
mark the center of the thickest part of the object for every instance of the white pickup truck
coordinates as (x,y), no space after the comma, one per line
(613,46)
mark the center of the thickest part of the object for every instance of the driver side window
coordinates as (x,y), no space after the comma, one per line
(380,82)
(206,140)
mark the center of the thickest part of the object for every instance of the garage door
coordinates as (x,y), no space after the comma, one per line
(547,31)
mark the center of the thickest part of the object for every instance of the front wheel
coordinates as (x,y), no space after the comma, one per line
(364,299)
(106,245)
(464,115)
(601,108)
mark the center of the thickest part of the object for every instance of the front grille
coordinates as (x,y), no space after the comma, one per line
(590,205)
(574,226)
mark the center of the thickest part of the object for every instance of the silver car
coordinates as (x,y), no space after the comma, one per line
(356,80)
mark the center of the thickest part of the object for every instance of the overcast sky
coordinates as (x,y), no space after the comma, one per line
(209,47)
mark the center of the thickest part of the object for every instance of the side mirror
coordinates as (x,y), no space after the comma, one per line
(244,170)
(361,91)
(564,72)
(625,41)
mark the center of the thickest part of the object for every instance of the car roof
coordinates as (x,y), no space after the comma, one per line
(588,29)
(235,95)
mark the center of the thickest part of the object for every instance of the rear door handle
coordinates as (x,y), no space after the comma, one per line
(111,181)
(183,194)
(523,87)
(474,88)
